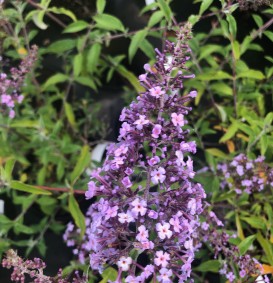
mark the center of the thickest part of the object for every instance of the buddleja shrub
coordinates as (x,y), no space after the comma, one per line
(158,219)
(231,116)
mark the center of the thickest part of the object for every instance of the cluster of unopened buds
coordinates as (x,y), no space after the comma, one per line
(146,217)
(245,175)
(10,84)
(252,4)
(25,270)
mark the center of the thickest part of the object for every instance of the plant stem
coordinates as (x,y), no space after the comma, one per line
(234,85)
(262,28)
(64,190)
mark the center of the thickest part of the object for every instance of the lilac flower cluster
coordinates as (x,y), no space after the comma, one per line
(34,269)
(10,85)
(246,175)
(210,232)
(148,203)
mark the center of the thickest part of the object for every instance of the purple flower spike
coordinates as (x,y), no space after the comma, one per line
(149,202)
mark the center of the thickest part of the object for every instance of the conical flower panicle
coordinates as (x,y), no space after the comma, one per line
(148,203)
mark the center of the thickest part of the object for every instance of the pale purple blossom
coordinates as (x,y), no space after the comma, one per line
(141,122)
(143,234)
(139,206)
(124,263)
(158,175)
(165,275)
(178,120)
(156,91)
(126,182)
(125,217)
(154,160)
(163,230)
(161,258)
(156,131)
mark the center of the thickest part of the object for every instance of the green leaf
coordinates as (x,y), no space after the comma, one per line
(240,230)
(81,165)
(232,25)
(24,124)
(217,152)
(245,244)
(28,188)
(155,18)
(61,46)
(147,48)
(254,222)
(193,19)
(209,266)
(267,247)
(101,6)
(209,49)
(93,56)
(210,76)
(224,27)
(77,64)
(136,42)
(46,201)
(204,6)
(269,34)
(165,8)
(69,114)
(63,11)
(215,185)
(268,11)
(4,219)
(224,196)
(222,88)
(252,74)
(130,77)
(108,22)
(41,175)
(9,168)
(269,211)
(4,245)
(246,129)
(236,49)
(246,43)
(241,67)
(55,79)
(255,47)
(20,228)
(41,246)
(264,144)
(60,169)
(109,274)
(76,213)
(87,81)
(38,19)
(222,112)
(231,131)
(76,27)
(258,20)
(268,119)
